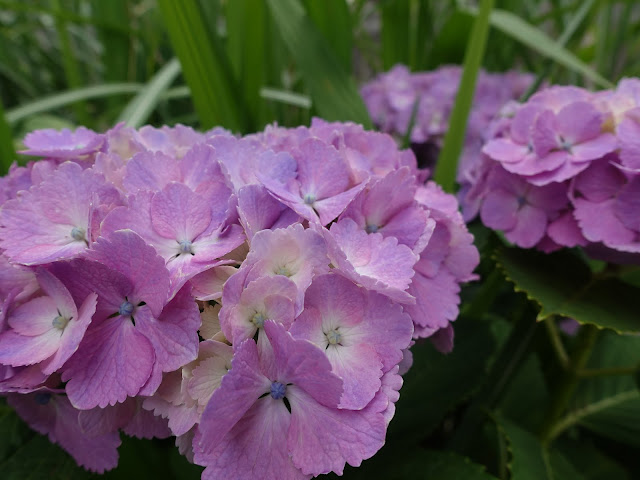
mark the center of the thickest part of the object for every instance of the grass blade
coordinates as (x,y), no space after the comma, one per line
(334,22)
(333,91)
(537,40)
(70,64)
(7,153)
(246,46)
(454,140)
(140,107)
(51,102)
(283,96)
(396,18)
(204,64)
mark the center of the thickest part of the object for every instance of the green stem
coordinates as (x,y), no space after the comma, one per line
(502,371)
(556,342)
(568,381)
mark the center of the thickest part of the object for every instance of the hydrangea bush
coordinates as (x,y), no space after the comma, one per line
(256,297)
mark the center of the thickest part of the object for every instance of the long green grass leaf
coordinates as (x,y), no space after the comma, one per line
(51,102)
(7,153)
(333,20)
(445,173)
(333,91)
(70,64)
(115,57)
(283,96)
(539,41)
(142,105)
(396,18)
(205,66)
(246,45)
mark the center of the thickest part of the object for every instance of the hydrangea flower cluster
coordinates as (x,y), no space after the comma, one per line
(394,96)
(256,297)
(564,170)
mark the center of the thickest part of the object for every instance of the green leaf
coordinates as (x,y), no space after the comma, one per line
(436,383)
(530,460)
(536,39)
(592,463)
(333,20)
(562,284)
(7,153)
(247,46)
(333,91)
(205,66)
(418,464)
(609,405)
(446,167)
(283,96)
(142,105)
(70,63)
(395,33)
(57,100)
(39,459)
(527,392)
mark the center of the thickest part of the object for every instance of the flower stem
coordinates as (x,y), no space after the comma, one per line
(568,381)
(556,342)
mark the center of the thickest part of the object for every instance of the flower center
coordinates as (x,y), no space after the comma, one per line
(258,320)
(60,322)
(565,144)
(186,247)
(309,199)
(278,390)
(334,337)
(283,271)
(79,234)
(126,308)
(371,228)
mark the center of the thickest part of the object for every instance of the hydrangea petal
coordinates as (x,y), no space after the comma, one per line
(114,361)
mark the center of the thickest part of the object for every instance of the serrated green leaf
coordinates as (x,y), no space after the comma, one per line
(333,91)
(563,285)
(142,105)
(205,66)
(436,383)
(530,460)
(536,39)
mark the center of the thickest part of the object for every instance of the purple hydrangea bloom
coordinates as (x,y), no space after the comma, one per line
(248,295)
